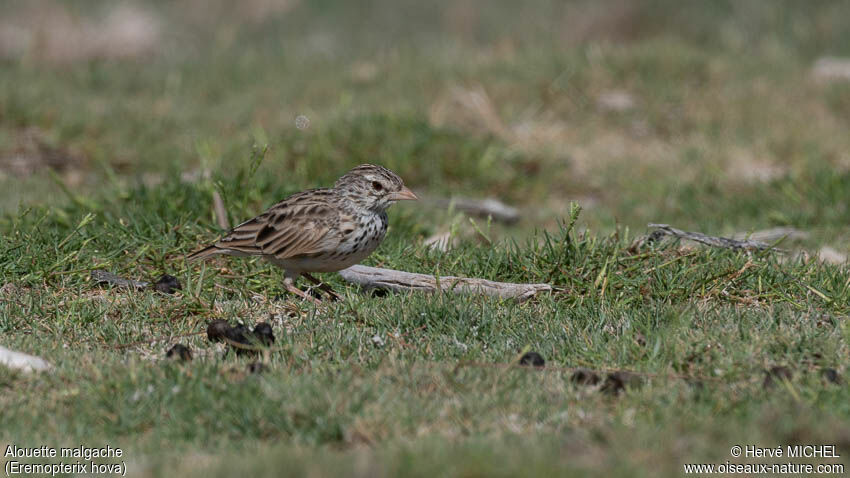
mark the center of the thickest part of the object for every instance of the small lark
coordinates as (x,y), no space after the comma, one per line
(319,230)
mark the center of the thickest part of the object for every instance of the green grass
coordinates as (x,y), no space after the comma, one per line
(728,134)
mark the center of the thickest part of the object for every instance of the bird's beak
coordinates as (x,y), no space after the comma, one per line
(403,195)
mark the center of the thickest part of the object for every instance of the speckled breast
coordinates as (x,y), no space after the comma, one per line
(352,250)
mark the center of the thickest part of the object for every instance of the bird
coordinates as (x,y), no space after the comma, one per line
(318,230)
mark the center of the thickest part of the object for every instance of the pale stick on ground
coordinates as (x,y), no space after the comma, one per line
(713,241)
(488,207)
(377,278)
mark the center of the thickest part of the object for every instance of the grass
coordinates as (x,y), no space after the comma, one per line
(728,133)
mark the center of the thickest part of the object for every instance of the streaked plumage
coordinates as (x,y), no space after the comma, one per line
(319,230)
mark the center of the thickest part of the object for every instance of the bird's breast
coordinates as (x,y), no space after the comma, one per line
(364,238)
(368,234)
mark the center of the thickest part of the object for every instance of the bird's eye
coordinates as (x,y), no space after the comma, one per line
(378,186)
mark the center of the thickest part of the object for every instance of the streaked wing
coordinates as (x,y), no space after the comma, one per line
(302,224)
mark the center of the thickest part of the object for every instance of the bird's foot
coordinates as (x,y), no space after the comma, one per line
(324,287)
(300,293)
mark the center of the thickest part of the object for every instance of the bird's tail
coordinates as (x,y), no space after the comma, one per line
(205,253)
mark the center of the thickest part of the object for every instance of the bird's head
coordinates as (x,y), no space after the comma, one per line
(373,187)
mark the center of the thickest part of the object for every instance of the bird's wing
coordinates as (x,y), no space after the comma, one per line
(302,224)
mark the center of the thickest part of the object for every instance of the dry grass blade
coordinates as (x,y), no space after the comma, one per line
(220,211)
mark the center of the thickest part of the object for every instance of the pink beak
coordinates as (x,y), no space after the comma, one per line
(403,195)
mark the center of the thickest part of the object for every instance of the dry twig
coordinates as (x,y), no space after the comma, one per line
(713,241)
(107,278)
(377,278)
(489,207)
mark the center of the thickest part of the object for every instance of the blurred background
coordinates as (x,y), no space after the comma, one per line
(123,122)
(728,117)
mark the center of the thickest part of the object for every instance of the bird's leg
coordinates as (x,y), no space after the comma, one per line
(328,289)
(289,285)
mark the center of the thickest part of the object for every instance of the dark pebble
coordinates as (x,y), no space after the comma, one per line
(167,284)
(239,334)
(655,235)
(179,351)
(243,335)
(533,359)
(585,377)
(264,334)
(775,374)
(616,382)
(217,330)
(257,367)
(831,375)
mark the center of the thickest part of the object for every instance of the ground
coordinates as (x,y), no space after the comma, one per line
(119,124)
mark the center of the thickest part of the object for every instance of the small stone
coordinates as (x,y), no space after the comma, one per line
(829,69)
(832,256)
(618,101)
(533,359)
(217,330)
(179,352)
(775,374)
(264,334)
(831,375)
(167,284)
(257,367)
(21,361)
(241,335)
(616,382)
(584,376)
(441,242)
